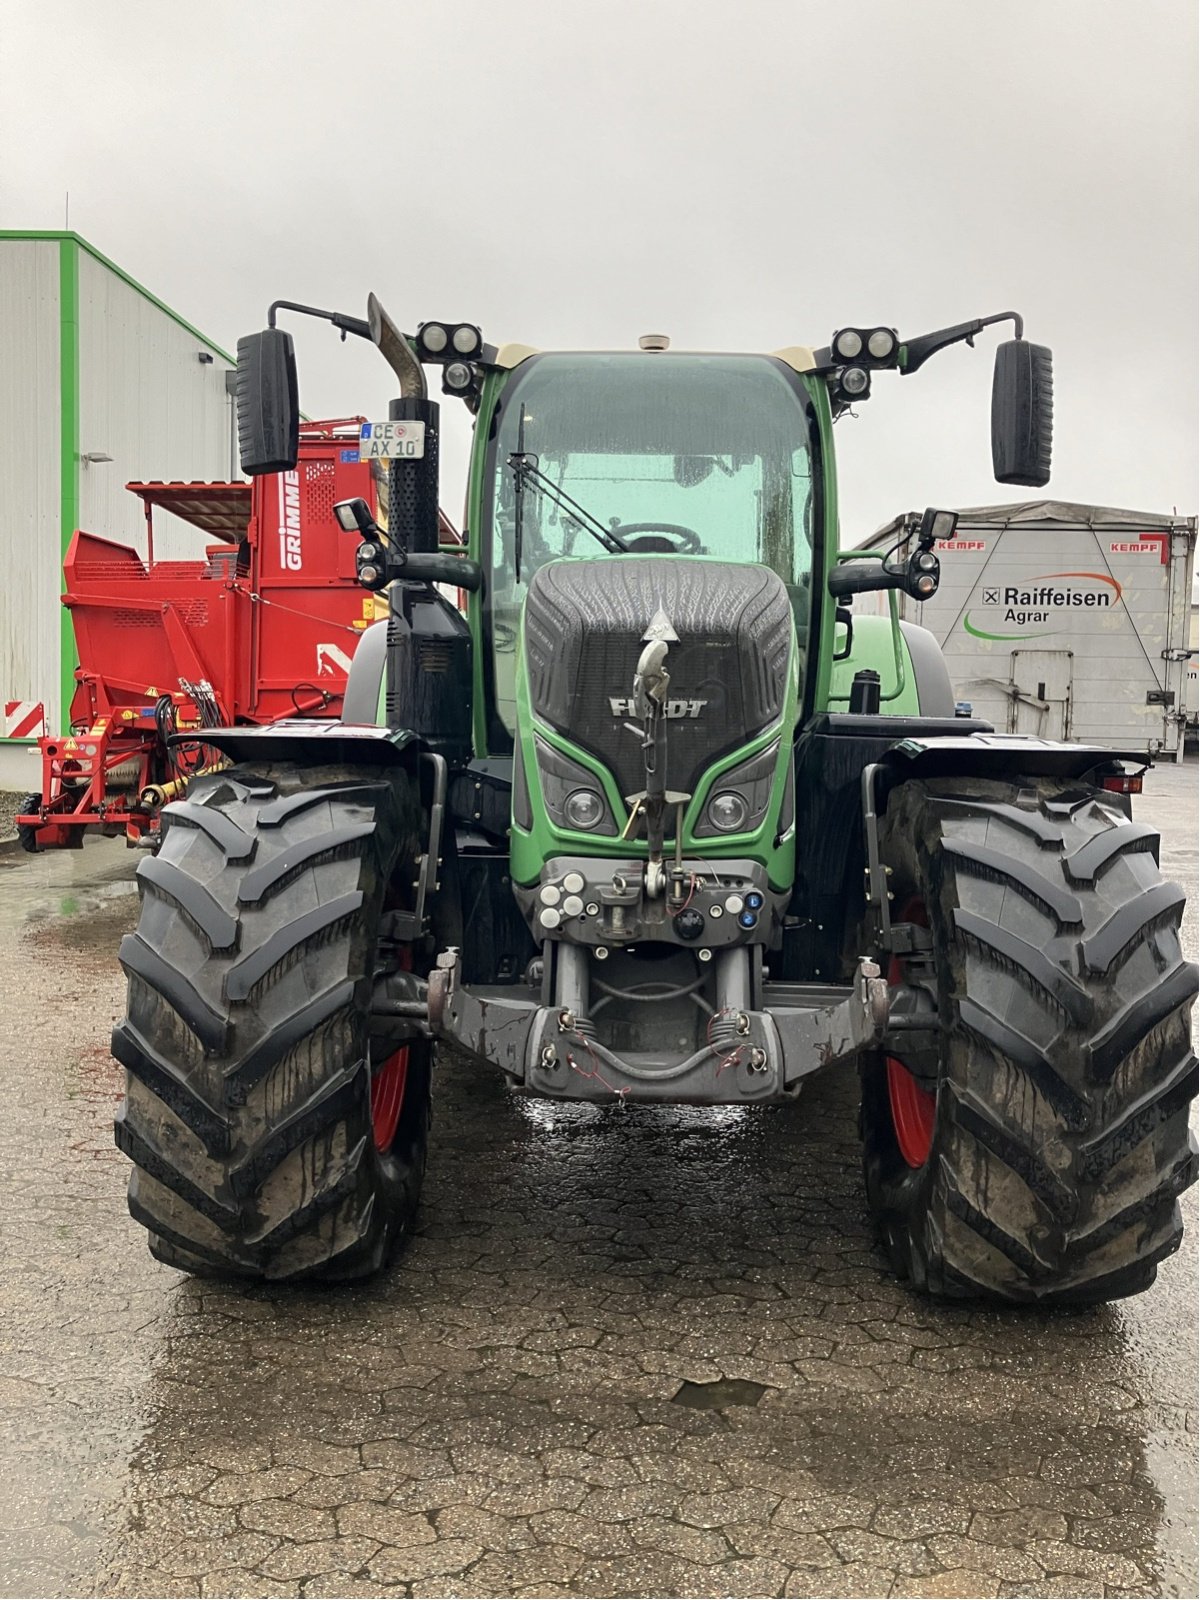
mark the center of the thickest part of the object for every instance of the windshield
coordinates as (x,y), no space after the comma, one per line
(685,454)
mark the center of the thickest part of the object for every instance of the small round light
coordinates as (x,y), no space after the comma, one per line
(728,811)
(881,343)
(466,340)
(733,904)
(925,587)
(573,883)
(754,901)
(368,551)
(572,906)
(368,574)
(583,809)
(458,375)
(848,343)
(550,894)
(550,918)
(434,337)
(748,919)
(926,561)
(855,380)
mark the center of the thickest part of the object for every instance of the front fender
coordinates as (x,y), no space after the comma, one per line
(308,739)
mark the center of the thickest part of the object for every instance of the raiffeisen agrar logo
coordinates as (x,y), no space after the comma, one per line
(1042,601)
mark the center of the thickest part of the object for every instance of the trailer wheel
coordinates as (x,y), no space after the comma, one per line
(26,832)
(1032,1148)
(272,1135)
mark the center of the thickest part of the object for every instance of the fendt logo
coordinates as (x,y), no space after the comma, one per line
(673,709)
(291,554)
(1042,600)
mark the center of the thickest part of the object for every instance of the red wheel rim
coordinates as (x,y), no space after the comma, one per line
(387,1097)
(913,1108)
(913,1111)
(387,1086)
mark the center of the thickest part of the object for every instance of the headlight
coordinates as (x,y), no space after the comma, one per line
(740,797)
(583,809)
(728,811)
(856,380)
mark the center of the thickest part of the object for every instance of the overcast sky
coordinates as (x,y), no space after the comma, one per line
(573,173)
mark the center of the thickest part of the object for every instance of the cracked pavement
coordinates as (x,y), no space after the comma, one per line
(495,1415)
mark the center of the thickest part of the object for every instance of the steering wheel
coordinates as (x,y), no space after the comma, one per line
(689,539)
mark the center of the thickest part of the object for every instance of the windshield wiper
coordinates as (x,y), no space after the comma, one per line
(528,474)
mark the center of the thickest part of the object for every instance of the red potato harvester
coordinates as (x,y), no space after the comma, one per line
(263,627)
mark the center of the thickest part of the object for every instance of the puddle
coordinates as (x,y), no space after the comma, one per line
(718,1394)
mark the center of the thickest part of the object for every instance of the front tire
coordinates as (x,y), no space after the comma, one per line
(1033,1150)
(247,1047)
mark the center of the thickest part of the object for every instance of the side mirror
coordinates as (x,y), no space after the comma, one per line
(1022,413)
(268,403)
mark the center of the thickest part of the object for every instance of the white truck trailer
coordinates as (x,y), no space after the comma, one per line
(1066,621)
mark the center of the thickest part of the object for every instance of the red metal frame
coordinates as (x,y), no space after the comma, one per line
(263,627)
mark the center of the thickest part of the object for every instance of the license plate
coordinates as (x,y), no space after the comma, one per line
(392,441)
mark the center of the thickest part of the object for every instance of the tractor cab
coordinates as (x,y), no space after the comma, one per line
(639,454)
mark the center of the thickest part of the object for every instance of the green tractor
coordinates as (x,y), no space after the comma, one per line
(660,819)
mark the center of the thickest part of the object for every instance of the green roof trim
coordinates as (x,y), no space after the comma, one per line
(68,496)
(77,239)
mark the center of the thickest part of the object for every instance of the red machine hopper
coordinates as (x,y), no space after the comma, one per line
(263,627)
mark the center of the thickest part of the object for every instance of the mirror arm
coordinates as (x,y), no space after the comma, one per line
(857,577)
(916,352)
(347,324)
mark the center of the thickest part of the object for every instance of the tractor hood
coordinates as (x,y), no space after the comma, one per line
(585,627)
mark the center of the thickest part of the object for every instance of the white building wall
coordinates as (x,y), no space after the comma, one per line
(147,400)
(30,549)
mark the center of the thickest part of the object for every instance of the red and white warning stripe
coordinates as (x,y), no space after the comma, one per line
(24,719)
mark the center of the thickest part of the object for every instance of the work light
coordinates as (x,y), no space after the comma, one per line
(847,344)
(432,338)
(354,516)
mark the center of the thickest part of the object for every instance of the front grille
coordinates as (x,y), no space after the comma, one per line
(584,622)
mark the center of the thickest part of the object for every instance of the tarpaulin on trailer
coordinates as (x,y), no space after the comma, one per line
(1028,513)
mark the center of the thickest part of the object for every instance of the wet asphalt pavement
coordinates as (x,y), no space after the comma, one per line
(497,1415)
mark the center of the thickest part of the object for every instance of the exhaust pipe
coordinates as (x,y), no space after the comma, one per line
(396,351)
